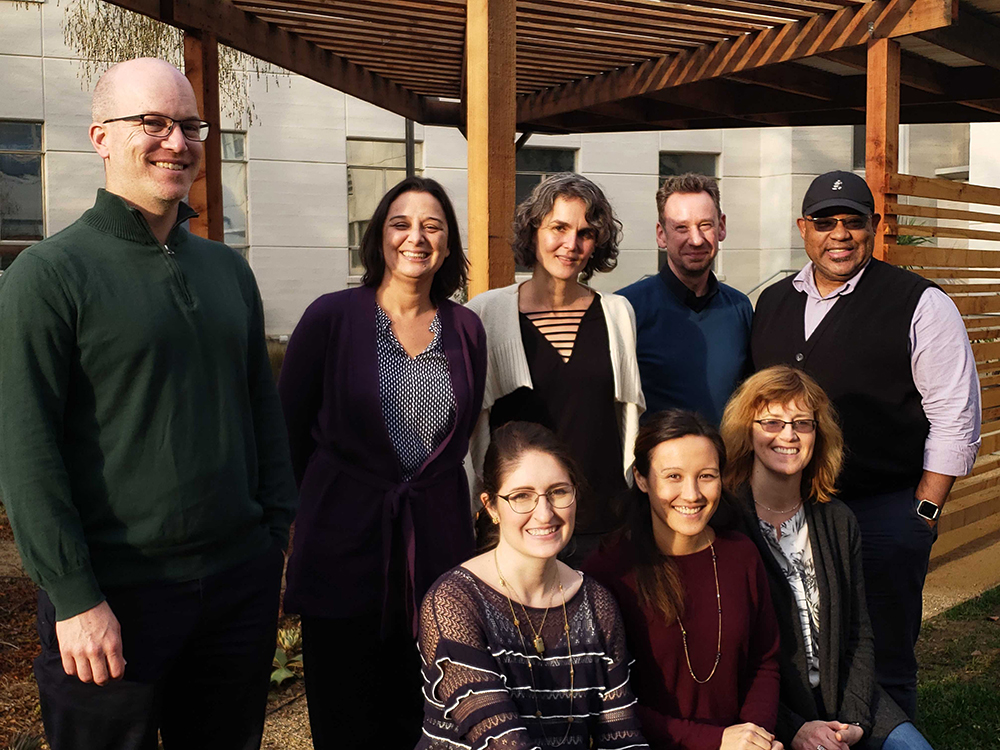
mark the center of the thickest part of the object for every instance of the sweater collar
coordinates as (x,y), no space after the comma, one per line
(111,214)
(684,294)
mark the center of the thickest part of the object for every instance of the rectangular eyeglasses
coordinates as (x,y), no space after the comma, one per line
(774,426)
(161,126)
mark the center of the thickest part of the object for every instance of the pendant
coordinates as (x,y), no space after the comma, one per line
(539,645)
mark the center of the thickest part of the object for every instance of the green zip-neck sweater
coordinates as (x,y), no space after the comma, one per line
(141,437)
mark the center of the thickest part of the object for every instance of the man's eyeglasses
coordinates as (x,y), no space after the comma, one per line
(525,501)
(774,426)
(161,126)
(829,223)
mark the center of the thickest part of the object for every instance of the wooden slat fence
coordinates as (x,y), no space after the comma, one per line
(950,232)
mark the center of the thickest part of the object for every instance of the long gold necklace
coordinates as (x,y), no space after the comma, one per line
(537,641)
(524,648)
(718,648)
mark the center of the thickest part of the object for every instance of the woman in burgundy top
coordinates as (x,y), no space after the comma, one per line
(697,611)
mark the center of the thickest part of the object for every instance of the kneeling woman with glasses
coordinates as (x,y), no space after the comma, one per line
(519,650)
(785,453)
(697,611)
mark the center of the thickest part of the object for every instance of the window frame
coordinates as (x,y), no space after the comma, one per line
(355,272)
(10,249)
(243,249)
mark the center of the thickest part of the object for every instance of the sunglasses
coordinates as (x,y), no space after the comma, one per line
(829,223)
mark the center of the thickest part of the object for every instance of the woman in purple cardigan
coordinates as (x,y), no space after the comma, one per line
(381,386)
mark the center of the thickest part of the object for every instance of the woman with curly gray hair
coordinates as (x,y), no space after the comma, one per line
(560,354)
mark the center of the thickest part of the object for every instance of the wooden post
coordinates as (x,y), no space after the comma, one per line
(201,66)
(491,96)
(882,132)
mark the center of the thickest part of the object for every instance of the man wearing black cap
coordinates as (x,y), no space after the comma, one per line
(891,350)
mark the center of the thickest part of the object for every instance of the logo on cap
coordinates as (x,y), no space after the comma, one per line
(838,185)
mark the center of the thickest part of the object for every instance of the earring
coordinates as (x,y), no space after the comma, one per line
(496,520)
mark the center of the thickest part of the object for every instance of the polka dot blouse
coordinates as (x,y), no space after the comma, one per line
(418,403)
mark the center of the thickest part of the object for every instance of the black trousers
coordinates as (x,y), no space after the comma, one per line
(896,546)
(363,692)
(198,659)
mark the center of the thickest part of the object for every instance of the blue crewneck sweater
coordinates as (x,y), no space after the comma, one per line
(687,359)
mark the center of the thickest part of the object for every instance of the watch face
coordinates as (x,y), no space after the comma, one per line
(927,509)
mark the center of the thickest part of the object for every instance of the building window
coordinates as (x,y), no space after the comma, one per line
(681,162)
(535,164)
(372,168)
(858,154)
(235,212)
(22,220)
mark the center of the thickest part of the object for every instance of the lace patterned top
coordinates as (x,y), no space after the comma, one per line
(794,555)
(480,694)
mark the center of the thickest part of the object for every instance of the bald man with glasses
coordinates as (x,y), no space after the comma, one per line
(143,458)
(891,350)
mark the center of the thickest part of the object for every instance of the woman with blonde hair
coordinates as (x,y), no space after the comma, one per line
(785,452)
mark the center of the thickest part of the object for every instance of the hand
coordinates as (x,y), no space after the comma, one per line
(850,733)
(91,645)
(821,734)
(746,737)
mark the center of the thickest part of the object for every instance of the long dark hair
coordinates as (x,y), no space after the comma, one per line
(452,275)
(508,444)
(658,581)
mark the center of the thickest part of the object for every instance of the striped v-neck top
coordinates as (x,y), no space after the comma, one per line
(575,398)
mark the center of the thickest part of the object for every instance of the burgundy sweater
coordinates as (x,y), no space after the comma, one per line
(675,711)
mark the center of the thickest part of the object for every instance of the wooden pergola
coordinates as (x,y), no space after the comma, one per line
(495,68)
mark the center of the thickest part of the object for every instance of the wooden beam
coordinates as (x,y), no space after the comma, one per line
(490,93)
(934,212)
(245,32)
(822,33)
(882,128)
(201,66)
(942,189)
(974,36)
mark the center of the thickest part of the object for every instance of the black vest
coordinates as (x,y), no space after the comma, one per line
(860,354)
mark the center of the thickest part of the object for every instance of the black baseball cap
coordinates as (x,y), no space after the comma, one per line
(838,189)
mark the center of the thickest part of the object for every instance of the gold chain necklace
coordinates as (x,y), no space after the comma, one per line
(537,641)
(718,648)
(779,512)
(524,648)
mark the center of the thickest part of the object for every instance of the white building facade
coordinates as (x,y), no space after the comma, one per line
(302,180)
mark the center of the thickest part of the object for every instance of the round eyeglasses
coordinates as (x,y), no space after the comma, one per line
(161,126)
(525,501)
(774,426)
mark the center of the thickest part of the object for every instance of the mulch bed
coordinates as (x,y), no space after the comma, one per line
(18,647)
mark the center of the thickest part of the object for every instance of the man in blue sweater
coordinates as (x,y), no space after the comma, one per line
(693,332)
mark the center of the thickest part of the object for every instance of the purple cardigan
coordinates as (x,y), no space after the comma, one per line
(355,511)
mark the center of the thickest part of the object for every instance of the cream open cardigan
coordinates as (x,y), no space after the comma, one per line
(507,370)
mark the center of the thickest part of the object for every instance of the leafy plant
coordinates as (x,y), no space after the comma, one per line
(287,656)
(911,239)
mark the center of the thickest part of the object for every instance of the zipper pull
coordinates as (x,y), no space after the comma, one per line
(169,251)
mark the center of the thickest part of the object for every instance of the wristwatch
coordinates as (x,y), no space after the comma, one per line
(929,510)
